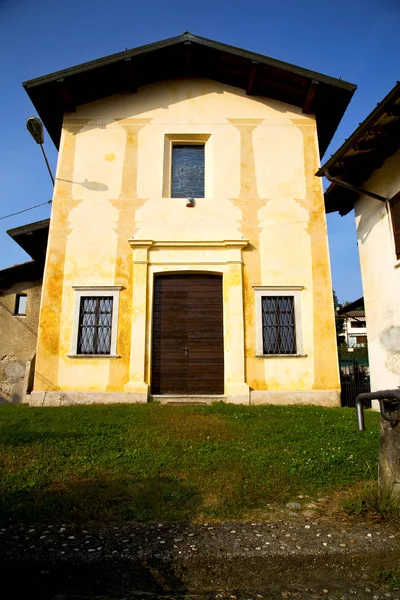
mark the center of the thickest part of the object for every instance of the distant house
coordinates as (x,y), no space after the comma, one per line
(20,293)
(355,326)
(368,164)
(188,256)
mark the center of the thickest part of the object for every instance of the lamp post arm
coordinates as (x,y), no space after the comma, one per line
(47,163)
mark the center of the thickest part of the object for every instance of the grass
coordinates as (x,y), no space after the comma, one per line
(389,578)
(153,462)
(368,501)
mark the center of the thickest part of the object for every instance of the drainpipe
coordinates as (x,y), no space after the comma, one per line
(353,188)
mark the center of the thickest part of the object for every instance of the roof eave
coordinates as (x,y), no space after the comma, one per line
(361,130)
(48,93)
(189,37)
(32,238)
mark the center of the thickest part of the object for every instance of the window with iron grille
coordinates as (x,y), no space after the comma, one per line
(95,323)
(187,177)
(279,327)
(279,330)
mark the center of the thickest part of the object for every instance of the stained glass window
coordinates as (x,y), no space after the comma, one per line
(187,171)
(279,335)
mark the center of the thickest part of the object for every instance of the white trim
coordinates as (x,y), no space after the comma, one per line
(186,139)
(277,288)
(189,244)
(281,355)
(95,290)
(100,288)
(94,355)
(290,290)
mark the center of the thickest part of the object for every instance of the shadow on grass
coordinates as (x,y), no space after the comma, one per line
(102,500)
(98,501)
(14,436)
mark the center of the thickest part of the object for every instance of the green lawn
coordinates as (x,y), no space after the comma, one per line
(153,462)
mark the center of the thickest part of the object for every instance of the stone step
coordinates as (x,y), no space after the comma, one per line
(178,400)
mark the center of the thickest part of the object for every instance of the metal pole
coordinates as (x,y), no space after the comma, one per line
(47,163)
(353,188)
(360,414)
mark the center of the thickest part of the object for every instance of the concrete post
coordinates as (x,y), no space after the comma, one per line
(389,459)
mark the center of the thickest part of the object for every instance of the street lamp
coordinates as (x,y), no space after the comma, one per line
(35,127)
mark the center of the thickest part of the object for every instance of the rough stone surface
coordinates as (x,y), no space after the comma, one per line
(18,338)
(12,373)
(293,505)
(14,370)
(389,458)
(285,559)
(317,397)
(70,398)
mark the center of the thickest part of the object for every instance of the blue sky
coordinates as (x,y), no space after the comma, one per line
(356,40)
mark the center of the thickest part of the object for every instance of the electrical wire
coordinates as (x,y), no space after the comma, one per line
(25,210)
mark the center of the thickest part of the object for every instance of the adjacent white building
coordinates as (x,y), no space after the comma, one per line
(370,162)
(354,326)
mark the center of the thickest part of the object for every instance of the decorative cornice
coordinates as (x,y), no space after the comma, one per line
(278,287)
(108,288)
(97,123)
(140,243)
(188,243)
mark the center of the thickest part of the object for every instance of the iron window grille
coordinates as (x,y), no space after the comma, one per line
(95,319)
(279,327)
(187,177)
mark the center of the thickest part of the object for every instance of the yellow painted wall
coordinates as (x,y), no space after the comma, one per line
(112,185)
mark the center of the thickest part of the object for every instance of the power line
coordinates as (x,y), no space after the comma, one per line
(25,210)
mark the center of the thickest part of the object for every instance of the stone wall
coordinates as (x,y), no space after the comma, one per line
(18,337)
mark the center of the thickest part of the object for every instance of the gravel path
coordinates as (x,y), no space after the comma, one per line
(295,559)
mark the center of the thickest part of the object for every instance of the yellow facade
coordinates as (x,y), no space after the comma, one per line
(261,223)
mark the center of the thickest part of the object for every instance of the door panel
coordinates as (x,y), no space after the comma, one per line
(188,345)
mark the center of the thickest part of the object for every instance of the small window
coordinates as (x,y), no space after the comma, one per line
(187,176)
(95,320)
(395,212)
(278,321)
(279,329)
(357,324)
(20,304)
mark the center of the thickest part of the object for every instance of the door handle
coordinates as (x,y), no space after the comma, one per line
(186,350)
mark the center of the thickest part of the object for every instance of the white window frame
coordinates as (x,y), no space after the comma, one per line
(295,292)
(186,139)
(81,291)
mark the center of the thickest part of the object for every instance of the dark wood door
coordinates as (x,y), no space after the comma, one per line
(188,341)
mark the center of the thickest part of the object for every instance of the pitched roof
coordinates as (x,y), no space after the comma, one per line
(27,271)
(376,138)
(189,55)
(32,238)
(352,307)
